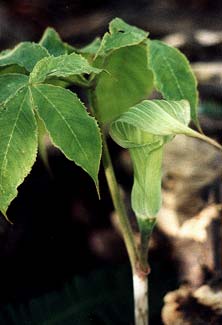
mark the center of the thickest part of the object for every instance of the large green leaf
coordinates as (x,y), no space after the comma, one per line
(18,146)
(62,66)
(127,82)
(144,129)
(25,55)
(53,43)
(69,125)
(120,35)
(173,76)
(10,83)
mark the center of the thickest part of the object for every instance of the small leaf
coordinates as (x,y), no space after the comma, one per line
(18,148)
(70,127)
(25,55)
(127,83)
(53,43)
(61,66)
(173,76)
(91,48)
(10,83)
(120,35)
(89,51)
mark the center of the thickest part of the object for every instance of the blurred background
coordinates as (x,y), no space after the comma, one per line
(63,245)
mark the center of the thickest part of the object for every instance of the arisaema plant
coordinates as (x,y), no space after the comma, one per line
(118,74)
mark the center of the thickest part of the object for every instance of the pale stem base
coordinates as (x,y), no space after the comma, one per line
(140,289)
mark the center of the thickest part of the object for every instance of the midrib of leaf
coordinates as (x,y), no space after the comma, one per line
(62,117)
(4,162)
(11,96)
(173,75)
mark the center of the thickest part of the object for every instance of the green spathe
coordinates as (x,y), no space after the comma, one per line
(144,130)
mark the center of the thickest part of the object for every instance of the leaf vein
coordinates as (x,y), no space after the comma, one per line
(5,160)
(66,123)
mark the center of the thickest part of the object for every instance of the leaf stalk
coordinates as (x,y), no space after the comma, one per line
(114,189)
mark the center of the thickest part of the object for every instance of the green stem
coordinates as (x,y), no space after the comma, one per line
(203,137)
(126,228)
(146,229)
(118,203)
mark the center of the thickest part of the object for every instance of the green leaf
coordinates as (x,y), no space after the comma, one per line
(4,52)
(144,129)
(127,82)
(18,146)
(25,55)
(91,48)
(12,69)
(70,127)
(120,35)
(10,83)
(123,54)
(62,66)
(173,76)
(53,43)
(89,51)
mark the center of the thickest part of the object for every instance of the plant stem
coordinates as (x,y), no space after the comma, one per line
(146,228)
(118,203)
(140,289)
(138,260)
(140,279)
(126,228)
